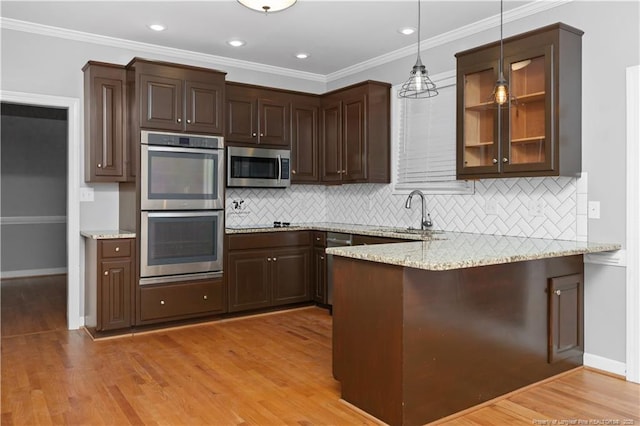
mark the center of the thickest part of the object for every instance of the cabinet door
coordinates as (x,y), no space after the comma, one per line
(204,107)
(354,154)
(304,143)
(115,295)
(241,119)
(478,130)
(274,126)
(528,141)
(320,275)
(105,123)
(162,103)
(331,142)
(249,280)
(565,317)
(290,274)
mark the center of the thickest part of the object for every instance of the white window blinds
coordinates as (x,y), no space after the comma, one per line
(426,142)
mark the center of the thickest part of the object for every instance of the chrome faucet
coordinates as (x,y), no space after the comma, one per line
(426,218)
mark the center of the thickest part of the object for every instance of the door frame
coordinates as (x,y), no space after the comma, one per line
(633,227)
(74,319)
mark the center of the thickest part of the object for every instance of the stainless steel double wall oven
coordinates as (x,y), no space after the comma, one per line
(182,206)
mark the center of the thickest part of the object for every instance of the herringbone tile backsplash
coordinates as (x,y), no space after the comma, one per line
(528,207)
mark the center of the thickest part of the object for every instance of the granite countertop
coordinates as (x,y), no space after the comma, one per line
(107,234)
(438,250)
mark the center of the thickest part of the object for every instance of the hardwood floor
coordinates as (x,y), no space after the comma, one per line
(264,370)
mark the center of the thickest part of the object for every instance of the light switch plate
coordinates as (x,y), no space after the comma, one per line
(86,194)
(593,210)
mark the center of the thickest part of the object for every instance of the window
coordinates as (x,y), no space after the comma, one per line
(424,143)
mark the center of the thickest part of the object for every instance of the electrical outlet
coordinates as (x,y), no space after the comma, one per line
(491,207)
(86,194)
(536,208)
(593,210)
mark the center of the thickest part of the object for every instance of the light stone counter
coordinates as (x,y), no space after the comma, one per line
(460,250)
(107,234)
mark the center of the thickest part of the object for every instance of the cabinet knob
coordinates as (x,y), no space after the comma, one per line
(117,249)
(321,257)
(99,165)
(261,134)
(495,161)
(188,121)
(268,259)
(162,302)
(106,272)
(275,259)
(254,134)
(293,172)
(505,160)
(558,292)
(317,238)
(344,171)
(205,297)
(179,120)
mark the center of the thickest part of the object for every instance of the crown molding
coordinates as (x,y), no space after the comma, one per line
(459,33)
(217,61)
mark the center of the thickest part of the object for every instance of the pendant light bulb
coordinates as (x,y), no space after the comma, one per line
(501,91)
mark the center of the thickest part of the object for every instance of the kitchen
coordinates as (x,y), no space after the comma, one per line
(380,205)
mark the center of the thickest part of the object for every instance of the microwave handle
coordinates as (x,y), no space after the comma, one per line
(279,168)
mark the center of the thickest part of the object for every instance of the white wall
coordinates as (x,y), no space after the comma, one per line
(39,64)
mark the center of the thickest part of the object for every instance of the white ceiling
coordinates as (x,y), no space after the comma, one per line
(337,34)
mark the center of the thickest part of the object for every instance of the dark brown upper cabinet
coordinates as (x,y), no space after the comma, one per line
(179,98)
(355,134)
(257,116)
(304,139)
(105,111)
(536,133)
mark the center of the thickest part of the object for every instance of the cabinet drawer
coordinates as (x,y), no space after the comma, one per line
(319,239)
(116,248)
(269,239)
(182,300)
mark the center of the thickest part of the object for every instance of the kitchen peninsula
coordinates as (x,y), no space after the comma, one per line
(426,329)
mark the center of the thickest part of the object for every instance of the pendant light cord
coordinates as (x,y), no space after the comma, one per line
(419,28)
(501,48)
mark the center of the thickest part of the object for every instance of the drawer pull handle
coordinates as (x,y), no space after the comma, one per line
(162,302)
(106,272)
(117,249)
(205,297)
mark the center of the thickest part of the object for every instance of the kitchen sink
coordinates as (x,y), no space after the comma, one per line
(413,231)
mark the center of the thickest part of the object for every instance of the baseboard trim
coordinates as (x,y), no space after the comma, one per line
(605,364)
(32,273)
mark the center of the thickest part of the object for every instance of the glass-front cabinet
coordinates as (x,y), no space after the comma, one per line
(537,132)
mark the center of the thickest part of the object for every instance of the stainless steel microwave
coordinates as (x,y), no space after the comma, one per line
(258,167)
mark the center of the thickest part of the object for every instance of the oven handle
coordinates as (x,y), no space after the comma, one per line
(198,213)
(175,278)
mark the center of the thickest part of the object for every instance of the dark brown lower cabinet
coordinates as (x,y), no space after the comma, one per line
(565,317)
(268,269)
(320,275)
(183,300)
(109,265)
(411,346)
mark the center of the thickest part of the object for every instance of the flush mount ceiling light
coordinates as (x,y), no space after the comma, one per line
(236,43)
(267,6)
(157,27)
(419,85)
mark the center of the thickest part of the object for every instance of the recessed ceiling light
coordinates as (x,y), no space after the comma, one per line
(302,55)
(236,43)
(157,27)
(407,30)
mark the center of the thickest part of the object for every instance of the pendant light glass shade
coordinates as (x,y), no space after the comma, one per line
(267,6)
(501,90)
(419,85)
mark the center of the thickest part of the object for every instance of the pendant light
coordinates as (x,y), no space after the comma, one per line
(419,85)
(501,90)
(267,6)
